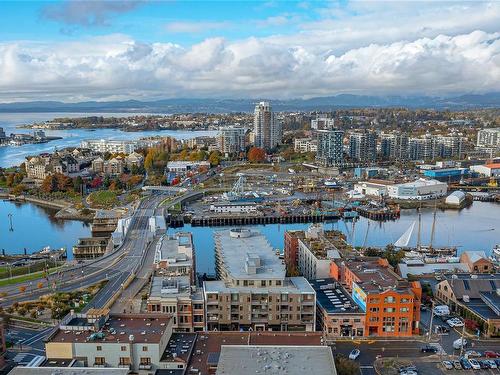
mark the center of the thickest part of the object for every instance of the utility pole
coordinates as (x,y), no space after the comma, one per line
(462,341)
(430,324)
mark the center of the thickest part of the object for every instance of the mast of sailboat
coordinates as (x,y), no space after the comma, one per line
(419,226)
(433,230)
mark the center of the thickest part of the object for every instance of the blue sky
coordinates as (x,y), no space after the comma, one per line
(75,50)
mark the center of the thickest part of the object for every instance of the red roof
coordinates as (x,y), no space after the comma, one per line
(493,166)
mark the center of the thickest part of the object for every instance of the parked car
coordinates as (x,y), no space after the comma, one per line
(497,361)
(457,365)
(408,372)
(455,322)
(457,344)
(473,354)
(442,329)
(408,368)
(429,349)
(484,365)
(465,363)
(491,363)
(448,365)
(475,364)
(354,354)
(491,354)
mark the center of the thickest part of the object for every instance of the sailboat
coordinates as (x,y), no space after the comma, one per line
(427,250)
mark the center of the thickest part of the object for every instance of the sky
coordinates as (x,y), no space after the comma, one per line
(117,50)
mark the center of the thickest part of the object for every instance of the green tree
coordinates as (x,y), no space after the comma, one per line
(214,158)
(345,366)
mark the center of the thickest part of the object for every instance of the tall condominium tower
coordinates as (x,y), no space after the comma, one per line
(363,146)
(330,147)
(267,128)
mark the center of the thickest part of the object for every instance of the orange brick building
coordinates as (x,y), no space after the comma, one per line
(392,305)
(291,250)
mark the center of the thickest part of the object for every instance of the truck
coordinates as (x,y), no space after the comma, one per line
(441,310)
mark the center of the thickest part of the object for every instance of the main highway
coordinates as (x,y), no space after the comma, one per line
(115,267)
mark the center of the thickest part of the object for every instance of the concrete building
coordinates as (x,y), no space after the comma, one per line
(111,146)
(104,223)
(252,291)
(42,166)
(291,250)
(315,252)
(394,146)
(241,359)
(231,140)
(337,314)
(112,167)
(422,148)
(175,256)
(391,304)
(446,174)
(267,128)
(45,370)
(92,247)
(363,146)
(233,208)
(322,122)
(475,297)
(420,189)
(488,170)
(178,298)
(449,146)
(330,147)
(99,339)
(372,189)
(186,166)
(489,138)
(303,145)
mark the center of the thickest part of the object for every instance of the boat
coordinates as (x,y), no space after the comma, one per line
(332,184)
(495,255)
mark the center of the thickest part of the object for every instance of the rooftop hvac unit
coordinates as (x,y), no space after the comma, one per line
(466,298)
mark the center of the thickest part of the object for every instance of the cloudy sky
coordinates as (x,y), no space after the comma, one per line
(111,50)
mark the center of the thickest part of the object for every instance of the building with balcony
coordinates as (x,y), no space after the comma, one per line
(92,247)
(175,256)
(104,223)
(231,140)
(99,339)
(391,304)
(179,299)
(252,291)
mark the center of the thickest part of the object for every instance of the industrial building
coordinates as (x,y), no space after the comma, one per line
(488,170)
(457,198)
(420,189)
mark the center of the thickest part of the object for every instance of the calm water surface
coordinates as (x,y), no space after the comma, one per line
(10,156)
(474,228)
(35,227)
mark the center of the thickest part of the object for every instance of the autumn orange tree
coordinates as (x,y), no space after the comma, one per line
(256,155)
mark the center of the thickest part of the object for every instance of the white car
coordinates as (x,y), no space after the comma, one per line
(491,363)
(354,354)
(455,322)
(408,372)
(475,364)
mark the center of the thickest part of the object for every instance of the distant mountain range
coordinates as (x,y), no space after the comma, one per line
(342,101)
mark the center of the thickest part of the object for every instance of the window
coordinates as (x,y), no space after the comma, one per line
(373,309)
(100,361)
(278,282)
(145,361)
(123,348)
(263,283)
(404,309)
(404,300)
(144,348)
(99,348)
(389,299)
(389,309)
(124,361)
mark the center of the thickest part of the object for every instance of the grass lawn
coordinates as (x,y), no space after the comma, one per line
(103,199)
(24,278)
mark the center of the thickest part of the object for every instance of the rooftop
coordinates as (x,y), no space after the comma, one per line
(208,345)
(177,250)
(406,269)
(290,285)
(246,254)
(118,328)
(493,166)
(290,360)
(375,274)
(333,298)
(67,371)
(164,287)
(421,182)
(179,347)
(320,242)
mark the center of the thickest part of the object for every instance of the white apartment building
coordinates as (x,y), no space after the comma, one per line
(267,128)
(303,145)
(111,146)
(489,137)
(231,140)
(322,122)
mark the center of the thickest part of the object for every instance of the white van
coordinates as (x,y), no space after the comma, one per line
(441,310)
(457,344)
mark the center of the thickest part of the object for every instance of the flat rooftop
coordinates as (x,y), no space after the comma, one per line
(234,253)
(165,287)
(290,285)
(170,248)
(179,347)
(289,360)
(333,298)
(67,371)
(208,345)
(145,328)
(373,276)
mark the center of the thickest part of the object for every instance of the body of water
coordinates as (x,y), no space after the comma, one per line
(35,227)
(473,228)
(10,156)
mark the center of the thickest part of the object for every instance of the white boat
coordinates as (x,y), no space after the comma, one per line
(405,238)
(332,184)
(495,255)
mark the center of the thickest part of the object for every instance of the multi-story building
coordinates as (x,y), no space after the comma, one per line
(99,339)
(91,247)
(111,146)
(423,148)
(303,145)
(175,256)
(322,122)
(291,250)
(231,140)
(104,223)
(112,167)
(475,297)
(391,304)
(178,298)
(363,146)
(450,146)
(488,138)
(42,166)
(253,290)
(330,147)
(267,128)
(3,136)
(315,253)
(394,146)
(336,312)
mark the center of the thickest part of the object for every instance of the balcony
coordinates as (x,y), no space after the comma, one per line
(144,367)
(99,365)
(124,366)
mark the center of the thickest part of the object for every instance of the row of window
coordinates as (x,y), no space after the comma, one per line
(390,299)
(389,309)
(123,348)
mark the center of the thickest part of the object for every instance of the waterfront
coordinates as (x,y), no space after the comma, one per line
(469,229)
(35,227)
(10,156)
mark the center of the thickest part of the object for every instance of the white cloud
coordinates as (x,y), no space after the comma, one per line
(192,27)
(399,52)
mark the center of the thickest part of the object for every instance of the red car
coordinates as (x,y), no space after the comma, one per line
(491,354)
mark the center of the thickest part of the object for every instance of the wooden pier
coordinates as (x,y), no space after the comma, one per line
(378,215)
